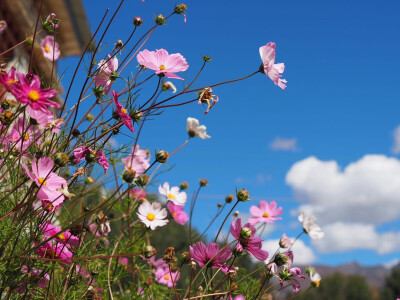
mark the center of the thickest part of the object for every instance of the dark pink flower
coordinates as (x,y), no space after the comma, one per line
(48,250)
(177,212)
(163,63)
(106,71)
(123,112)
(85,152)
(246,239)
(164,276)
(50,48)
(65,237)
(49,182)
(210,254)
(137,194)
(29,92)
(7,79)
(271,69)
(265,213)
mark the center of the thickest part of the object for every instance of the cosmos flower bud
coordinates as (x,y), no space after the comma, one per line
(168,85)
(137,21)
(136,115)
(113,76)
(238,250)
(159,19)
(186,257)
(245,233)
(219,205)
(184,185)
(203,182)
(119,44)
(129,175)
(98,92)
(242,195)
(281,259)
(149,251)
(89,117)
(7,104)
(89,180)
(206,58)
(180,8)
(90,157)
(162,156)
(76,132)
(236,214)
(61,159)
(142,180)
(229,198)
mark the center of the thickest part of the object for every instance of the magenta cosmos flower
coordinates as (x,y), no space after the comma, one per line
(48,250)
(246,239)
(49,182)
(287,272)
(29,92)
(65,237)
(163,63)
(50,48)
(123,112)
(177,212)
(265,213)
(271,69)
(164,276)
(106,73)
(85,152)
(7,79)
(210,254)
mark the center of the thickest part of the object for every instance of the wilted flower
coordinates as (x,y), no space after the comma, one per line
(163,63)
(166,86)
(106,73)
(195,129)
(50,48)
(265,213)
(203,254)
(51,22)
(99,225)
(152,215)
(313,230)
(206,97)
(269,67)
(285,242)
(173,194)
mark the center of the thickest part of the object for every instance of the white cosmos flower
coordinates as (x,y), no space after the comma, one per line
(315,278)
(195,129)
(313,230)
(152,215)
(173,194)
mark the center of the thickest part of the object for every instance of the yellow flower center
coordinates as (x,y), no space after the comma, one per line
(8,113)
(48,206)
(61,236)
(171,196)
(143,199)
(26,137)
(162,67)
(47,49)
(265,215)
(33,95)
(316,283)
(151,217)
(166,277)
(124,110)
(10,81)
(42,181)
(175,214)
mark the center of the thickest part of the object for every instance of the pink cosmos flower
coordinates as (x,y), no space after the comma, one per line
(50,48)
(7,79)
(105,70)
(288,273)
(163,63)
(177,213)
(123,112)
(49,250)
(137,194)
(46,120)
(49,182)
(152,214)
(203,254)
(173,194)
(84,152)
(163,276)
(138,161)
(21,135)
(247,240)
(265,213)
(158,263)
(272,69)
(29,92)
(65,237)
(41,278)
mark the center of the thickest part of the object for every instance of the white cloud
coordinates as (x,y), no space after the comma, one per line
(396,140)
(392,263)
(303,255)
(361,192)
(349,203)
(284,144)
(340,237)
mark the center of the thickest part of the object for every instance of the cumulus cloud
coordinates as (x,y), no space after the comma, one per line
(303,255)
(361,192)
(396,140)
(283,144)
(340,237)
(349,203)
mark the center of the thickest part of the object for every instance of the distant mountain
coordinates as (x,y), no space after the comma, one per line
(375,275)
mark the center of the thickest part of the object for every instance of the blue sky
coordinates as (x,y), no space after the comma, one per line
(342,103)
